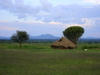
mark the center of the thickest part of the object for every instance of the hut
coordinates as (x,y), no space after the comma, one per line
(63,43)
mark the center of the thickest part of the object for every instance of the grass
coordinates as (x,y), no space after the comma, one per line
(45,46)
(25,45)
(47,61)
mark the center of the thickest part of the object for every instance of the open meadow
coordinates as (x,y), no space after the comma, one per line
(40,59)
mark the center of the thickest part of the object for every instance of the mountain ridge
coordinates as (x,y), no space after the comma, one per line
(3,37)
(44,36)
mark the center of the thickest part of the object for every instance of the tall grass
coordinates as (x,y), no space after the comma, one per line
(49,62)
(40,59)
(25,45)
(81,46)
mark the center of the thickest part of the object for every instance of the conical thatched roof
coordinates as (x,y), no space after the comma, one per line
(63,43)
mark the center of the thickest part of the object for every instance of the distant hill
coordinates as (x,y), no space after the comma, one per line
(2,37)
(49,36)
(90,38)
(44,36)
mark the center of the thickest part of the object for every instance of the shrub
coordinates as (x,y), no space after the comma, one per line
(90,47)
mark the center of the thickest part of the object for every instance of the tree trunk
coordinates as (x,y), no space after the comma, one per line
(20,45)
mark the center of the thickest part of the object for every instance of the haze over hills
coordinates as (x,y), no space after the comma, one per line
(47,36)
(44,36)
(2,37)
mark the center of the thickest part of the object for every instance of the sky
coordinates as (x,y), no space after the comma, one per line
(38,17)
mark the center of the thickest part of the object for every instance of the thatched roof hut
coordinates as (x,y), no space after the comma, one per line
(63,43)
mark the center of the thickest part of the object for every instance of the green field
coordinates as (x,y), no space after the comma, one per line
(40,59)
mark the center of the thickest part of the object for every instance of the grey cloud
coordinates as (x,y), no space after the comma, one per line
(59,13)
(72,13)
(46,6)
(6,4)
(64,14)
(18,8)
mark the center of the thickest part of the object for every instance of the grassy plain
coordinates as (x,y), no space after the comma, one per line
(40,59)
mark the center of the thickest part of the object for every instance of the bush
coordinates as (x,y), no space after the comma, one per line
(90,47)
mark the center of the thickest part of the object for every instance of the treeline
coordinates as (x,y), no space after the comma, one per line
(89,41)
(30,41)
(51,40)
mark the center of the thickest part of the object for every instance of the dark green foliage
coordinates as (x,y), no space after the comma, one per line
(20,36)
(73,33)
(91,47)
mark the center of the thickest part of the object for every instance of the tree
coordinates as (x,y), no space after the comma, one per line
(19,37)
(73,33)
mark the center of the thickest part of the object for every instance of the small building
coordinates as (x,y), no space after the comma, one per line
(63,43)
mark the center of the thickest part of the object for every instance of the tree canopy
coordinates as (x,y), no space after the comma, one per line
(73,33)
(20,36)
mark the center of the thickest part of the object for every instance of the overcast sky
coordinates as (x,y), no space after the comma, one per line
(49,16)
